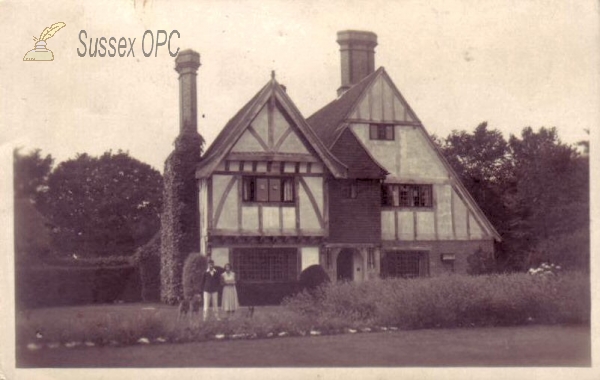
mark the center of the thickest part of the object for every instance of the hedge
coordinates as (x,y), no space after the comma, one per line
(147,258)
(452,301)
(64,285)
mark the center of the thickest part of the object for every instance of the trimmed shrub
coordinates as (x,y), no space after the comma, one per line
(147,258)
(193,269)
(313,277)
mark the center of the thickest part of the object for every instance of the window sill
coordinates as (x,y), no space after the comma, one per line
(284,204)
(393,208)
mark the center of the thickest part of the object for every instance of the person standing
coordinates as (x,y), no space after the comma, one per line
(229,300)
(210,288)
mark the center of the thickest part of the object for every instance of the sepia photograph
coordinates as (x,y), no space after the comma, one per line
(360,189)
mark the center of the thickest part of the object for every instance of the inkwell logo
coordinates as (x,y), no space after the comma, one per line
(41,53)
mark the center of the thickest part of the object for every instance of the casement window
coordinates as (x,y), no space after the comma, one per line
(265,264)
(268,189)
(406,195)
(381,132)
(405,264)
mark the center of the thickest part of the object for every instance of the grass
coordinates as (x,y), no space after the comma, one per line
(489,347)
(443,302)
(125,324)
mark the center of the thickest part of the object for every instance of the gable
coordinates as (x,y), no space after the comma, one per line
(271,132)
(382,103)
(269,127)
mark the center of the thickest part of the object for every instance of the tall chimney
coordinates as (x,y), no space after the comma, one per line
(358,56)
(186,64)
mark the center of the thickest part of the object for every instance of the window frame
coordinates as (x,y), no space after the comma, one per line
(278,265)
(250,194)
(402,195)
(379,132)
(400,257)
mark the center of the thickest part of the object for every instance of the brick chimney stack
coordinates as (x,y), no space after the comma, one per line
(187,64)
(358,56)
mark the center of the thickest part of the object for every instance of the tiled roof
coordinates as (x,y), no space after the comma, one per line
(326,121)
(356,157)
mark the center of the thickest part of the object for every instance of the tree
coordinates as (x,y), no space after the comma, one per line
(32,237)
(30,173)
(551,198)
(481,160)
(101,206)
(533,188)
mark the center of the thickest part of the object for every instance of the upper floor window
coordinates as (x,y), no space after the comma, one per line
(381,132)
(268,189)
(406,195)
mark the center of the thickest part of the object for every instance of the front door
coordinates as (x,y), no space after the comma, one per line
(345,265)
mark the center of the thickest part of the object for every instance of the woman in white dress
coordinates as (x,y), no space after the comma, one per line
(229,300)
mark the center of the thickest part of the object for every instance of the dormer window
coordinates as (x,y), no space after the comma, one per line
(381,132)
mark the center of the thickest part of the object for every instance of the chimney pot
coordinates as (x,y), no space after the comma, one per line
(357,50)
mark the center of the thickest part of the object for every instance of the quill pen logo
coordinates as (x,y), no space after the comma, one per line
(41,53)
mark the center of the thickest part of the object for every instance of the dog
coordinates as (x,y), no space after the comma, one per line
(184,308)
(250,312)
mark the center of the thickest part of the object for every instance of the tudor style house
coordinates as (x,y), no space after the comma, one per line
(358,188)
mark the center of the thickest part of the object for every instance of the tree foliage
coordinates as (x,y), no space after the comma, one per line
(101,206)
(31,173)
(32,237)
(533,188)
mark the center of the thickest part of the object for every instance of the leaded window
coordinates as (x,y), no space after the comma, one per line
(406,195)
(266,264)
(268,189)
(405,264)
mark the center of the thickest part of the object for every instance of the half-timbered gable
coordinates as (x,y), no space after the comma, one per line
(425,212)
(263,190)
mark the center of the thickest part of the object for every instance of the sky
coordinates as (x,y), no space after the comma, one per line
(457,63)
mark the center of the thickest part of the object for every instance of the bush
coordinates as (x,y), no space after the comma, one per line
(65,285)
(452,301)
(571,251)
(262,294)
(313,277)
(147,259)
(193,269)
(480,262)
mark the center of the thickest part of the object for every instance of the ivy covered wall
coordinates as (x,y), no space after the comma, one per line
(180,216)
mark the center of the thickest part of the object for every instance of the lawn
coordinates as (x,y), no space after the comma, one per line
(532,345)
(490,347)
